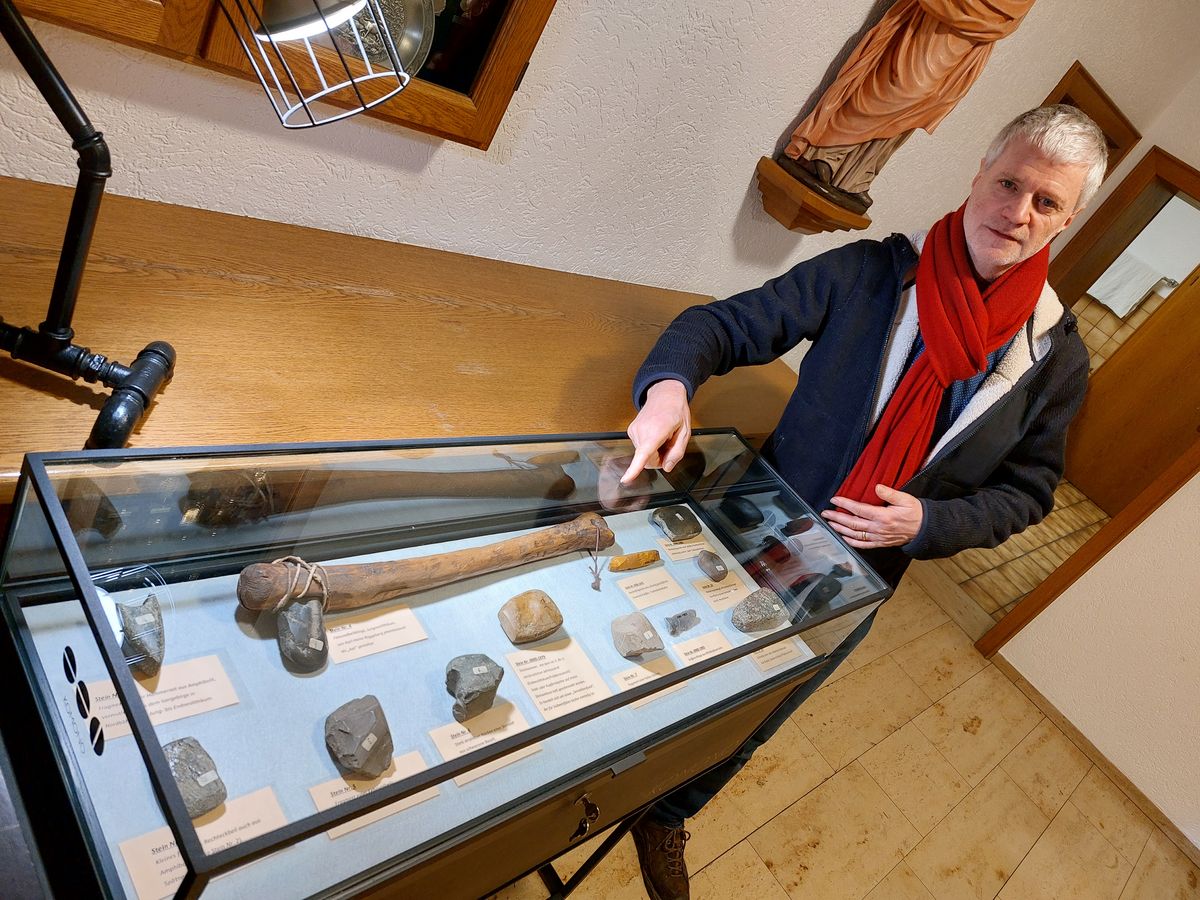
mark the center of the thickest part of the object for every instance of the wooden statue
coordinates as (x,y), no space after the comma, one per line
(908,72)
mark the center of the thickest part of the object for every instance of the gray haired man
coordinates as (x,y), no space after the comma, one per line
(931,409)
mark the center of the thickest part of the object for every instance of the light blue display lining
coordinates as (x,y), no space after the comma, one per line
(274,735)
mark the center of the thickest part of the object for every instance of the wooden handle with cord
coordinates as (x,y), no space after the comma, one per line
(273,585)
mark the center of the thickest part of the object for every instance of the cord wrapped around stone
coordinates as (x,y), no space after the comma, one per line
(313,573)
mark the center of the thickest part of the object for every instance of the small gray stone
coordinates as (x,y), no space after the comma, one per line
(472,681)
(302,640)
(761,611)
(530,616)
(681,622)
(196,775)
(633,635)
(144,642)
(358,737)
(712,565)
(678,523)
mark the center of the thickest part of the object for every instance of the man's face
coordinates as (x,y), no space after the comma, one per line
(1017,205)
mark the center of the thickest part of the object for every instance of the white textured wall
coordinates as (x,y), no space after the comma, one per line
(628,153)
(1119,655)
(1119,652)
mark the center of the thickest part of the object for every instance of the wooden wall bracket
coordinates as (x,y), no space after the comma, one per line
(799,208)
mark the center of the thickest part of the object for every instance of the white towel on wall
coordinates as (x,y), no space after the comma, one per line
(1124,284)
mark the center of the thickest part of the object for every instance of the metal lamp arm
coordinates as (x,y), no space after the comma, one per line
(51,345)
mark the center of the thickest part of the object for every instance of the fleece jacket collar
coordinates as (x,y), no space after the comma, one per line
(1015,363)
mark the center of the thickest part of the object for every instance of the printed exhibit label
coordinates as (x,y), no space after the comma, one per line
(559,677)
(648,671)
(702,647)
(353,637)
(460,738)
(645,589)
(678,551)
(722,595)
(179,690)
(156,866)
(337,791)
(856,588)
(792,651)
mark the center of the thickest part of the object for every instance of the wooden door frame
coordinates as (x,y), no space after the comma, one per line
(1122,216)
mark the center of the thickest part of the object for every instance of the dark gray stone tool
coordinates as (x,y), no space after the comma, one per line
(741,512)
(196,775)
(633,635)
(678,523)
(760,611)
(144,640)
(302,640)
(358,737)
(681,622)
(712,565)
(472,680)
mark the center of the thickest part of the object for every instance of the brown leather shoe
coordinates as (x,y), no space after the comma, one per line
(660,854)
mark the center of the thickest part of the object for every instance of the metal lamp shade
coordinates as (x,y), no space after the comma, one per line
(310,76)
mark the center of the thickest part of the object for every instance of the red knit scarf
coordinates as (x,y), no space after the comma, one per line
(961,326)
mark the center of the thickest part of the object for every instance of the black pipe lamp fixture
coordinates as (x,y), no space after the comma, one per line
(340,52)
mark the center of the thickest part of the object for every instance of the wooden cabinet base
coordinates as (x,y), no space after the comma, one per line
(525,839)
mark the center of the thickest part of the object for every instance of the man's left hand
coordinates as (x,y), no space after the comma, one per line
(866,527)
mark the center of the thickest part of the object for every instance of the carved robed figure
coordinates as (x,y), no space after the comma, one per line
(908,72)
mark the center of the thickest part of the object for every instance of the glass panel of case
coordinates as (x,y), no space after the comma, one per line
(321,659)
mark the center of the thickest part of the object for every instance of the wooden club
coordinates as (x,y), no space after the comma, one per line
(272,585)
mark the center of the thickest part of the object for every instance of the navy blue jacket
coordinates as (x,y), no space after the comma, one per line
(991,481)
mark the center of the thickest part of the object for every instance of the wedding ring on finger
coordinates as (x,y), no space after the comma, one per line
(865,536)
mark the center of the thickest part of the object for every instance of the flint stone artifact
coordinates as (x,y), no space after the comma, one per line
(358,737)
(760,611)
(678,523)
(144,642)
(530,616)
(775,550)
(302,640)
(741,512)
(472,680)
(681,622)
(798,526)
(631,561)
(272,585)
(196,775)
(816,590)
(633,635)
(842,570)
(712,566)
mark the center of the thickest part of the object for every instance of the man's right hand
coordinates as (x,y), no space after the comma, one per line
(661,430)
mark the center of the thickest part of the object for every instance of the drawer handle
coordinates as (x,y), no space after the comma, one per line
(591,812)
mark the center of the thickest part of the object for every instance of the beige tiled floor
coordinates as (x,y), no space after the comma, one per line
(998,578)
(920,772)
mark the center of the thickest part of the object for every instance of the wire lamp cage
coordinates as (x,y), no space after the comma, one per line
(318,60)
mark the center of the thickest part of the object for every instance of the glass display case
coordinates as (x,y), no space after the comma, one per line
(307,670)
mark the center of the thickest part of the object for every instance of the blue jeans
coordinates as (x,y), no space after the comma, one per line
(687,800)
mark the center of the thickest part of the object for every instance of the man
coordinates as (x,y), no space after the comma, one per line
(931,409)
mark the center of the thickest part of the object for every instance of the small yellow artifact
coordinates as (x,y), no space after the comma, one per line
(631,561)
